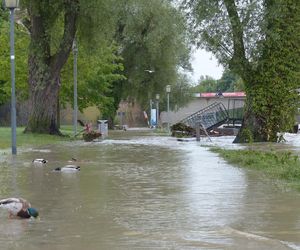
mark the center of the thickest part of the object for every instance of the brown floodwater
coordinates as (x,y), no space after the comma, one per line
(142,191)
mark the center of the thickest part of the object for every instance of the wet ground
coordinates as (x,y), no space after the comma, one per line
(143,191)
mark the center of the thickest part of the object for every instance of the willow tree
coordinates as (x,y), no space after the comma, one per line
(259,40)
(153,37)
(52,26)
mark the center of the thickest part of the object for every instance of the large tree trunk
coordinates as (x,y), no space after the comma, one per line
(43,116)
(44,67)
(44,90)
(250,130)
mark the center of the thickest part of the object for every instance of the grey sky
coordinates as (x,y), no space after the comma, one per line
(204,63)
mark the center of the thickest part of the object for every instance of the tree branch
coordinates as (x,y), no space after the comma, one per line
(70,27)
(239,55)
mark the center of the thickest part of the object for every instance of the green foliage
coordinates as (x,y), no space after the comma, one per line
(206,84)
(247,135)
(53,26)
(149,35)
(153,37)
(21,50)
(214,29)
(229,82)
(97,21)
(260,41)
(275,101)
(278,165)
(4,95)
(181,93)
(98,70)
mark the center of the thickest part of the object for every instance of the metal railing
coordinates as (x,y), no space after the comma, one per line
(210,117)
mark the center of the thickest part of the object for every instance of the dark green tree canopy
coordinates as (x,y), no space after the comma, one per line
(153,36)
(115,38)
(259,41)
(229,82)
(21,50)
(52,26)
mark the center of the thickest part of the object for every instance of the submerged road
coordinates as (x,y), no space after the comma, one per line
(138,190)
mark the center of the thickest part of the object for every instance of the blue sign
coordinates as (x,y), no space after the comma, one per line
(153,121)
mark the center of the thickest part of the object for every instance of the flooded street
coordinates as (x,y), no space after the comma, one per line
(145,192)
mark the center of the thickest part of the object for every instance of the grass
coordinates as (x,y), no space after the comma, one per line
(278,165)
(32,139)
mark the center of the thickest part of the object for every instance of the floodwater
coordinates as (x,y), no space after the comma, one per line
(142,191)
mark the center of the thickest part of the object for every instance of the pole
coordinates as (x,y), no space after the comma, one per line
(13,87)
(150,113)
(75,88)
(168,110)
(157,112)
(198,131)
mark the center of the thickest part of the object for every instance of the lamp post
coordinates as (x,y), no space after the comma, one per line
(168,90)
(75,52)
(157,108)
(11,5)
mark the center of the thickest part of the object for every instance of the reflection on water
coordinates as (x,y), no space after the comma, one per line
(145,192)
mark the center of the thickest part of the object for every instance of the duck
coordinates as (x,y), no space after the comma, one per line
(19,208)
(39,161)
(68,168)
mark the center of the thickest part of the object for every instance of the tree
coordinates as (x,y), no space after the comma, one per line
(206,84)
(52,26)
(181,94)
(100,69)
(152,31)
(153,36)
(21,51)
(229,82)
(258,40)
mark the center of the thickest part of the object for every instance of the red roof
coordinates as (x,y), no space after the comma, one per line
(224,94)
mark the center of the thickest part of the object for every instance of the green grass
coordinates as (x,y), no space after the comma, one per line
(274,164)
(32,139)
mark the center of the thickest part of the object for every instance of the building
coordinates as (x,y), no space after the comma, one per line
(233,102)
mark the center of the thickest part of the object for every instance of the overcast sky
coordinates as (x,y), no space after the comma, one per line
(204,63)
